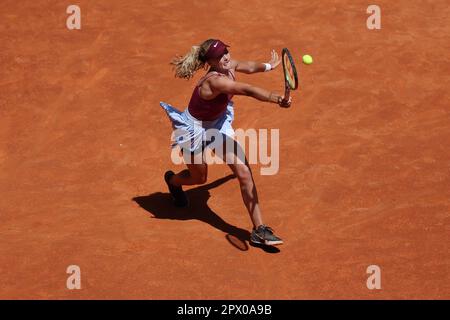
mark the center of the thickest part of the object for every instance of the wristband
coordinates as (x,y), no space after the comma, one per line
(268,67)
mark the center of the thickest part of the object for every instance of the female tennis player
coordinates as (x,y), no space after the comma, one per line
(211,107)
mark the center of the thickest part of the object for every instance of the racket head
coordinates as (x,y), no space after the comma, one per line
(290,71)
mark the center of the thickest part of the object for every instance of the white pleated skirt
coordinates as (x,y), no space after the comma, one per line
(190,133)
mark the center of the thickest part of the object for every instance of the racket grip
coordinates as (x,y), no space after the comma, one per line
(287,92)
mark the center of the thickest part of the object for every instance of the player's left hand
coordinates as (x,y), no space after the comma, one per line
(275,60)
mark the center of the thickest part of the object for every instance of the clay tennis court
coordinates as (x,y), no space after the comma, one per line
(364,175)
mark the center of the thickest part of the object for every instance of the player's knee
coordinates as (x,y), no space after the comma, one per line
(203,179)
(244,175)
(200,178)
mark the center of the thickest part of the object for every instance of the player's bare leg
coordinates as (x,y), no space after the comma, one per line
(194,174)
(248,191)
(261,234)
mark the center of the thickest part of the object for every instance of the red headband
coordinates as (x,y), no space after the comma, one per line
(216,50)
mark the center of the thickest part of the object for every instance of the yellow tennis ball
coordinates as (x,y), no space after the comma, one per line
(307,59)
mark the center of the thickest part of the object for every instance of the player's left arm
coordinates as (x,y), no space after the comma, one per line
(254,67)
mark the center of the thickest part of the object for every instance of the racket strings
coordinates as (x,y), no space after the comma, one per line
(290,73)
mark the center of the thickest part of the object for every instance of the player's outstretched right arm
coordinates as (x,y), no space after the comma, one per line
(228,86)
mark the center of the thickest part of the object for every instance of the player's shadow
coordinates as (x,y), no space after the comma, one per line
(160,205)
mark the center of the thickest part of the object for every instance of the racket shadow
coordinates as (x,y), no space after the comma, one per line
(160,206)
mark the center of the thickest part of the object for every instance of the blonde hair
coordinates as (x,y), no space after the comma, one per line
(185,66)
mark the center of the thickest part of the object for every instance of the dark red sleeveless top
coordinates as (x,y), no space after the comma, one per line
(208,110)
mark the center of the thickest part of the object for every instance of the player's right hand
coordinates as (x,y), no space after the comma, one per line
(285,103)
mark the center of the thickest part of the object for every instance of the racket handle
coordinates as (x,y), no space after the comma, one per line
(287,92)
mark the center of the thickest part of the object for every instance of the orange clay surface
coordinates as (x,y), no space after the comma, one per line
(364,152)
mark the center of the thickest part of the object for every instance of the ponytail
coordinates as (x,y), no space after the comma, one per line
(185,66)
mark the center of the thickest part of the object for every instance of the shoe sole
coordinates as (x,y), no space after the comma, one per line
(267,242)
(273,243)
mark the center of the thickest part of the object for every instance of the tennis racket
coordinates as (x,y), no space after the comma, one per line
(290,73)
